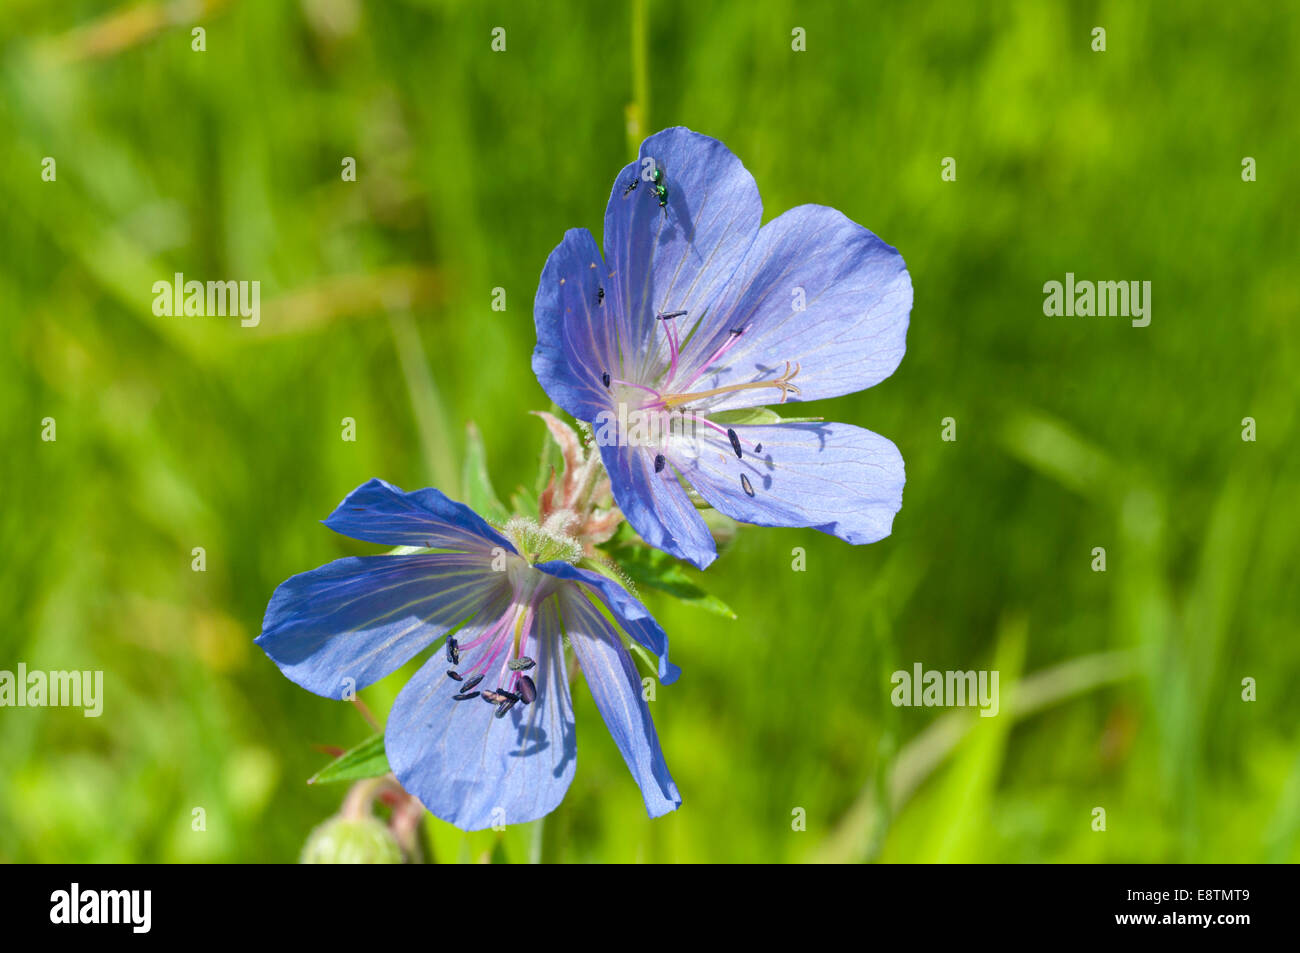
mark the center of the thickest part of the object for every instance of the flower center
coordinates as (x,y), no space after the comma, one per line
(502,648)
(672,393)
(664,410)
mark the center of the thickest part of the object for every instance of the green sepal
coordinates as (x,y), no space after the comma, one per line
(366,760)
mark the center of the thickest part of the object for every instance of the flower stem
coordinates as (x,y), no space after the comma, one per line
(638,111)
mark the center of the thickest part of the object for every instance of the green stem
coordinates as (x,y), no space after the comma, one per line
(638,111)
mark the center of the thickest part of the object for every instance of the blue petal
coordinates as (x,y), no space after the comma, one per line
(681,260)
(576,333)
(635,618)
(471,768)
(353,621)
(656,505)
(851,334)
(616,688)
(379,512)
(837,478)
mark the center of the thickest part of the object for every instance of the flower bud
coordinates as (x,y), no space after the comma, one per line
(344,840)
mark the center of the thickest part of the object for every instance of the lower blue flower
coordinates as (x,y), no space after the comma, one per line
(483,733)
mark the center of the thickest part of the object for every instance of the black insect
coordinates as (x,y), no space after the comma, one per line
(600,296)
(758,448)
(631,187)
(735,442)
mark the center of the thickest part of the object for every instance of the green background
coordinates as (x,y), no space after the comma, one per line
(1072,433)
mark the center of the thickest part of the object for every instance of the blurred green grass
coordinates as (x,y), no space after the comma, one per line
(376,305)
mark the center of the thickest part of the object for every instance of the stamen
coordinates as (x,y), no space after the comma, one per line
(744,485)
(527,690)
(727,345)
(492,698)
(471,683)
(700,418)
(604,379)
(453,652)
(521,664)
(673,351)
(660,463)
(735,443)
(465,696)
(508,700)
(452,673)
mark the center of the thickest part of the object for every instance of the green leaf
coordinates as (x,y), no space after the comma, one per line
(758,415)
(479,494)
(366,760)
(658,570)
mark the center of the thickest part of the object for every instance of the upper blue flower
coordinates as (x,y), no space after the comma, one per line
(507,609)
(694,312)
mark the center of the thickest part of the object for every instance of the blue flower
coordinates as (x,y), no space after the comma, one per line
(508,603)
(692,317)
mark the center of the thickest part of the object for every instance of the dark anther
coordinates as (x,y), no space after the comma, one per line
(669,315)
(737,332)
(604,379)
(493,698)
(735,442)
(463,696)
(452,673)
(453,652)
(471,683)
(527,690)
(521,664)
(660,463)
(505,706)
(744,483)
